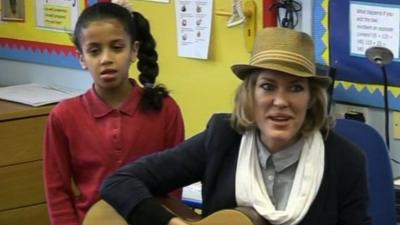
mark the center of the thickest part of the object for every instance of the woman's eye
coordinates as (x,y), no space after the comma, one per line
(267,86)
(297,88)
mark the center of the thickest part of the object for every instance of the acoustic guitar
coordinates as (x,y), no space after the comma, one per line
(102,213)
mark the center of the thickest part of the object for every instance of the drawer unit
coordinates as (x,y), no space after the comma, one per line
(21,140)
(21,180)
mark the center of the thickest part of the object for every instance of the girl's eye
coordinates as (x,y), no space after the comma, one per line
(118,47)
(93,51)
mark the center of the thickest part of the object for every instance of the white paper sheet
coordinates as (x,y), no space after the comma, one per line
(36,94)
(58,15)
(193,23)
(374,25)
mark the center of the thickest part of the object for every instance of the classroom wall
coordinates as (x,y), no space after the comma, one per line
(201,87)
(15,72)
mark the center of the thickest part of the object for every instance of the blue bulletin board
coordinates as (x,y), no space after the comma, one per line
(351,67)
(357,80)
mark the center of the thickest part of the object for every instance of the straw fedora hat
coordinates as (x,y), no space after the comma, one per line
(285,50)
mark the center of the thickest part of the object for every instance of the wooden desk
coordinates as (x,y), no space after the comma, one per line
(22,199)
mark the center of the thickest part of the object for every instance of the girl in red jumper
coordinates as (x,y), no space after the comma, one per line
(116,121)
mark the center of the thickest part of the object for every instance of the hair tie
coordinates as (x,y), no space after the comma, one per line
(148,85)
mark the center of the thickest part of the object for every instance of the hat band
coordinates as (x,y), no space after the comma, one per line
(282,56)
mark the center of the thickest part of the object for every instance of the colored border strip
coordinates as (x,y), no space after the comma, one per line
(39,52)
(320,31)
(366,94)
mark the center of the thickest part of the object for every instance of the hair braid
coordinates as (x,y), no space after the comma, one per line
(147,65)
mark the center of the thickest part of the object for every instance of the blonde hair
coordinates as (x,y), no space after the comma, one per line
(243,115)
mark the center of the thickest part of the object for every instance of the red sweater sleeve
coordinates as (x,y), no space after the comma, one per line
(57,175)
(175,130)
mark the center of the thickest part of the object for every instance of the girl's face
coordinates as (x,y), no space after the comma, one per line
(281,103)
(107,52)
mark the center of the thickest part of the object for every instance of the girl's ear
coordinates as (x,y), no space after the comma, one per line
(134,50)
(81,60)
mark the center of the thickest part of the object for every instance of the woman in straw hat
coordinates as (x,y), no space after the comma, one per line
(274,153)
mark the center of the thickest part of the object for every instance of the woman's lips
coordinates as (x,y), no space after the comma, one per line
(280,120)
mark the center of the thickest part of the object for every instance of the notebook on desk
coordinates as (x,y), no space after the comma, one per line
(36,94)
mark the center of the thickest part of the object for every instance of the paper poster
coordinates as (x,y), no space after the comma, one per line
(162,1)
(374,25)
(57,14)
(193,23)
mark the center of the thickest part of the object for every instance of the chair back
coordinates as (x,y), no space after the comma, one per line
(380,177)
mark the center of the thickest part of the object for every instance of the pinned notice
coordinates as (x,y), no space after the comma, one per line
(374,25)
(193,23)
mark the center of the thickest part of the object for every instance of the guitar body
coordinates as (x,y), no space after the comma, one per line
(224,217)
(102,213)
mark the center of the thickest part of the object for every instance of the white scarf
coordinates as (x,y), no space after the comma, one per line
(251,190)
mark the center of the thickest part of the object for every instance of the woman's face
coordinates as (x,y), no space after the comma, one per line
(281,103)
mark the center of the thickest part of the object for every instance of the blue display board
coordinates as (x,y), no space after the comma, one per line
(355,68)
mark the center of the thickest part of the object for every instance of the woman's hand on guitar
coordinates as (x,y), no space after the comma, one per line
(177,221)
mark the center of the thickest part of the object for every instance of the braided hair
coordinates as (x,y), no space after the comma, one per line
(138,28)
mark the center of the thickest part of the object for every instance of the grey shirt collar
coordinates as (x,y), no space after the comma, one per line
(282,159)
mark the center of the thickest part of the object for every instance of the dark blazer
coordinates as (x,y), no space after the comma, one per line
(211,157)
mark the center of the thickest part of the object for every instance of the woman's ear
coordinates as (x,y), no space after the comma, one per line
(81,60)
(311,102)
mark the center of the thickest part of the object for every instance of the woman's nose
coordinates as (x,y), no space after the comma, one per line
(280,99)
